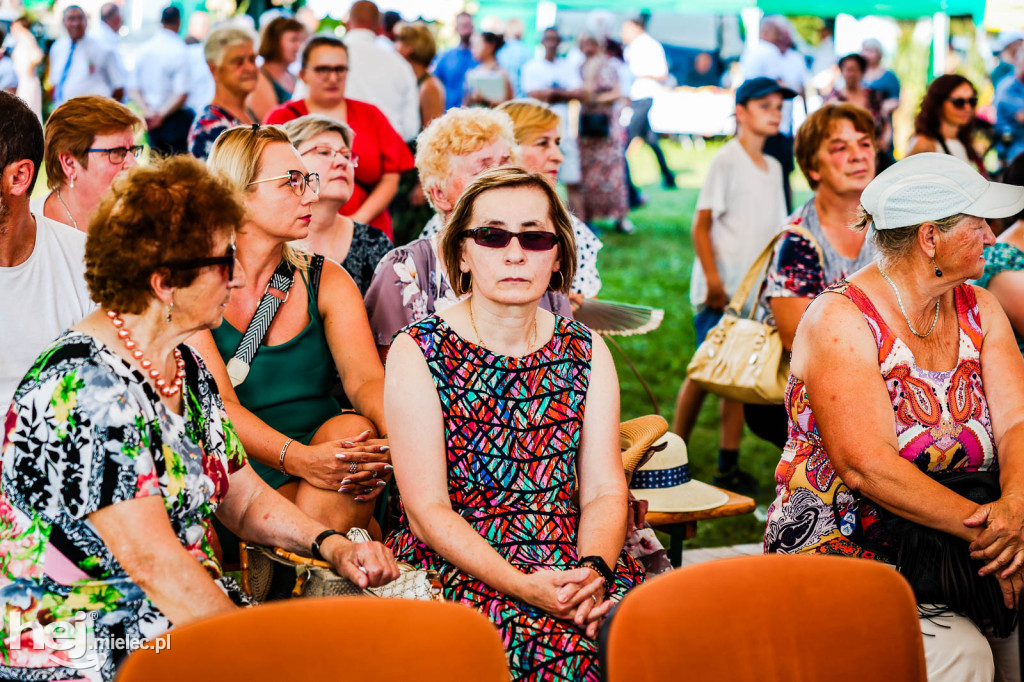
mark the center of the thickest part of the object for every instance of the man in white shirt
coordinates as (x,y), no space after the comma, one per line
(82,65)
(775,58)
(554,80)
(42,263)
(379,76)
(161,86)
(646,60)
(108,32)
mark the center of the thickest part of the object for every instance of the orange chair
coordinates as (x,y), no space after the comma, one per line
(768,618)
(341,638)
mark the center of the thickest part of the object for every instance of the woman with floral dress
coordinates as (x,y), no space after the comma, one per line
(504,427)
(117,449)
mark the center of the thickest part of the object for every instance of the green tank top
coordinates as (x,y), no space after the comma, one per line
(289,385)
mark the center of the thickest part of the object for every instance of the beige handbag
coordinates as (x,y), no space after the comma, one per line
(269,574)
(743,359)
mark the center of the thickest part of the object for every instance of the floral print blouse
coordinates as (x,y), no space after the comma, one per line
(86,431)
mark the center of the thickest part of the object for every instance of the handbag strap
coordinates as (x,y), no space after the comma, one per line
(282,280)
(759,266)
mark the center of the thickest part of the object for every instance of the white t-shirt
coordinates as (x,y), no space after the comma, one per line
(384,79)
(747,209)
(41,298)
(162,69)
(646,60)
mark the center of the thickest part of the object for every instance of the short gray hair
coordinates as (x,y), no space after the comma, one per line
(894,245)
(223,37)
(307,127)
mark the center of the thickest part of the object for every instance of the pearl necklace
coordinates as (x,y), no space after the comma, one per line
(167,390)
(899,301)
(529,342)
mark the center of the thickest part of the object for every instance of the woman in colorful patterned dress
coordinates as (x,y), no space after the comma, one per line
(117,450)
(502,414)
(902,374)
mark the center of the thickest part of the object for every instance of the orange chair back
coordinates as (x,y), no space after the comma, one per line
(341,638)
(769,618)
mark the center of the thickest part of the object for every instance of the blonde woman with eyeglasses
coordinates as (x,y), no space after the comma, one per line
(331,463)
(383,155)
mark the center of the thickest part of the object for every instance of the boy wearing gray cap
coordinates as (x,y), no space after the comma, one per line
(740,208)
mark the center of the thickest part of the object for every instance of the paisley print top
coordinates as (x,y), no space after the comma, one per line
(942,424)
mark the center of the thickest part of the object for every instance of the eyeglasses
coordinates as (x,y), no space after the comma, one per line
(227,259)
(497,238)
(325,71)
(961,102)
(118,154)
(297,180)
(330,153)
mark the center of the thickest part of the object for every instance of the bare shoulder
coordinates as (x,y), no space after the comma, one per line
(832,326)
(990,310)
(920,144)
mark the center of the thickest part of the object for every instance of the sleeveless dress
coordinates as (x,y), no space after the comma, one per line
(512,429)
(289,385)
(942,424)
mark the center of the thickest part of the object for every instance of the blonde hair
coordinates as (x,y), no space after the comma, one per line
(453,236)
(458,132)
(73,126)
(420,39)
(307,127)
(237,154)
(530,117)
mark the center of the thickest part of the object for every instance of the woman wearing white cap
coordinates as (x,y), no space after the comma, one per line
(905,375)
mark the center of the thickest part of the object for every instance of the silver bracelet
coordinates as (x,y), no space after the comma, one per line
(280,460)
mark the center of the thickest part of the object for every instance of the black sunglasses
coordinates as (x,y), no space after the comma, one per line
(227,259)
(497,238)
(961,102)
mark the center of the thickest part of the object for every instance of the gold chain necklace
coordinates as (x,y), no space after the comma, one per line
(899,302)
(480,340)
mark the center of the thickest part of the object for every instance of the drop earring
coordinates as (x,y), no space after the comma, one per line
(938,273)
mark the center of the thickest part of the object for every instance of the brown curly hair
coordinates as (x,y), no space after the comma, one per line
(169,210)
(928,121)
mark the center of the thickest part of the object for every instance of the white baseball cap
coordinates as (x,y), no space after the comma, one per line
(933,186)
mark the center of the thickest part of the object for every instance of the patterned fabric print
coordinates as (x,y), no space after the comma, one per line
(795,270)
(512,427)
(999,257)
(942,424)
(369,246)
(207,127)
(85,432)
(604,184)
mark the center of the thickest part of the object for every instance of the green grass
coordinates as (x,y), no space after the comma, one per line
(652,266)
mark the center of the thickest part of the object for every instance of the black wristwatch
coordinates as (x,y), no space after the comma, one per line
(315,548)
(598,564)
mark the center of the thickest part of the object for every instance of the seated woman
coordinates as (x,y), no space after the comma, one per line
(538,134)
(89,141)
(292,428)
(901,374)
(835,149)
(326,147)
(383,155)
(1004,261)
(502,415)
(118,451)
(412,282)
(945,122)
(280,43)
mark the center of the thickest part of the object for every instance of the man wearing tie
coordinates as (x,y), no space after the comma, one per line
(80,64)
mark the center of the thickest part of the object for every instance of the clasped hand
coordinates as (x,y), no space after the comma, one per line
(1000,543)
(329,465)
(367,564)
(576,595)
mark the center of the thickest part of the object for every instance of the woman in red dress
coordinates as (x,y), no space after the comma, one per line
(382,154)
